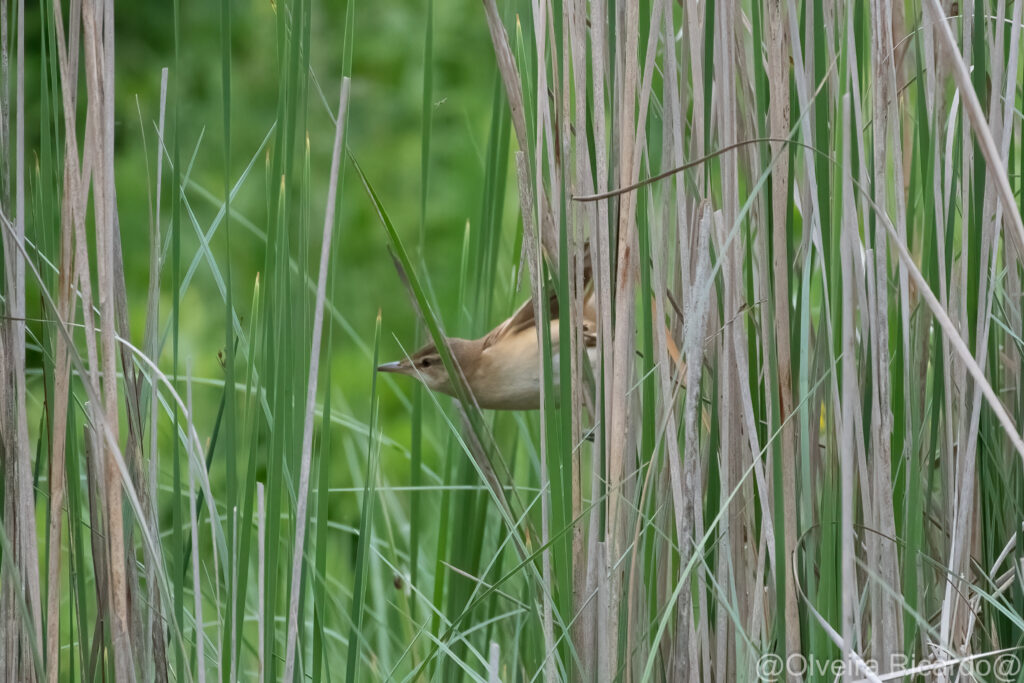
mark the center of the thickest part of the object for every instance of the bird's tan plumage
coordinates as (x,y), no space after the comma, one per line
(502,368)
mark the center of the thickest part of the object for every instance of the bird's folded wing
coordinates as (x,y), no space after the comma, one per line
(524,317)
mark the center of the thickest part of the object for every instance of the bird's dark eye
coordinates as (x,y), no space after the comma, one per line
(425,362)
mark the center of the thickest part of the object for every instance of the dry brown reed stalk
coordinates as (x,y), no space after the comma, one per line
(779,122)
(20,609)
(731,458)
(73,231)
(584,217)
(598,562)
(697,310)
(887,635)
(98,21)
(850,408)
(532,247)
(676,216)
(62,377)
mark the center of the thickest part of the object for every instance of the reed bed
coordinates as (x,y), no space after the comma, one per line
(799,455)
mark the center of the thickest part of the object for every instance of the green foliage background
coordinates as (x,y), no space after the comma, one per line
(384,134)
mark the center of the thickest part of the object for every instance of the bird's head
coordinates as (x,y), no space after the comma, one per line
(426,366)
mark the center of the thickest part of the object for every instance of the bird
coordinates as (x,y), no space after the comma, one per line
(502,368)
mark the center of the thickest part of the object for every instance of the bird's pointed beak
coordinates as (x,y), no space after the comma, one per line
(394,366)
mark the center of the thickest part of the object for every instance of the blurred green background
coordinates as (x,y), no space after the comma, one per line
(385,136)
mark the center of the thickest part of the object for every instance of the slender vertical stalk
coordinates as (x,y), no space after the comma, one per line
(786,445)
(23,631)
(314,366)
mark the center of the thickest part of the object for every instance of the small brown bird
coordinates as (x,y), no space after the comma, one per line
(502,369)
